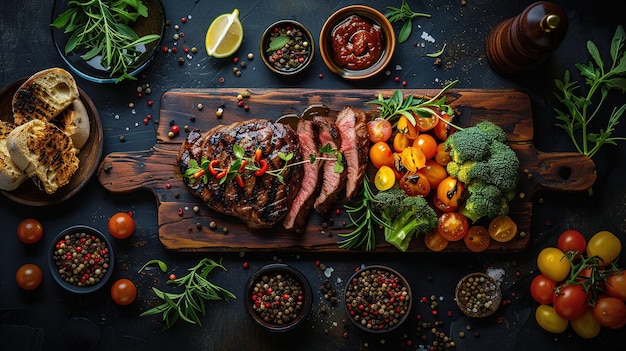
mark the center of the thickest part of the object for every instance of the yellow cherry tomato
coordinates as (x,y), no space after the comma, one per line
(550,321)
(385,178)
(405,126)
(586,326)
(553,263)
(605,245)
(413,159)
(401,141)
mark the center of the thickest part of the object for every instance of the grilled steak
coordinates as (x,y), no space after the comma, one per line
(303,202)
(333,182)
(262,201)
(352,126)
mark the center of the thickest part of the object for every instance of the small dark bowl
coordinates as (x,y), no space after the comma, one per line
(267,56)
(254,297)
(91,233)
(356,306)
(368,14)
(467,301)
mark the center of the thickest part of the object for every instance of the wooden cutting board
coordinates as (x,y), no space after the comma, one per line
(182,228)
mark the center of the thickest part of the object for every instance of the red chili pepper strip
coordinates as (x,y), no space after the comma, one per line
(212,165)
(263,167)
(243,166)
(257,155)
(199,174)
(223,173)
(239,181)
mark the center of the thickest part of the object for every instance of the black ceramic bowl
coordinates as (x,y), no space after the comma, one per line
(377,299)
(293,57)
(266,300)
(81,245)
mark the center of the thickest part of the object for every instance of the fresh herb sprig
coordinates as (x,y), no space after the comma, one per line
(188,304)
(405,14)
(579,109)
(400,105)
(102,27)
(364,220)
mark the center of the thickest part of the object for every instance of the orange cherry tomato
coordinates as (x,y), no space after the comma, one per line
(29,231)
(123,292)
(427,120)
(477,238)
(427,144)
(398,167)
(415,183)
(443,129)
(450,191)
(435,173)
(121,225)
(413,159)
(443,207)
(442,156)
(28,276)
(435,241)
(502,229)
(401,141)
(381,155)
(405,127)
(616,285)
(453,226)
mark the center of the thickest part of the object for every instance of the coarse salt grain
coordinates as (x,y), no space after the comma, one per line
(428,37)
(496,273)
(328,272)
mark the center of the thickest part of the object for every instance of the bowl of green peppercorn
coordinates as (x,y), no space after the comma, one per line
(278,297)
(377,299)
(287,48)
(81,259)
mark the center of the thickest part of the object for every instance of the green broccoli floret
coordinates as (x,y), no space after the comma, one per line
(468,144)
(406,216)
(492,131)
(503,165)
(484,200)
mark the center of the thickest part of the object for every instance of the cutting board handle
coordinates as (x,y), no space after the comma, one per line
(564,171)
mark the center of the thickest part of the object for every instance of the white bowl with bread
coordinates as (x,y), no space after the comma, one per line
(50,138)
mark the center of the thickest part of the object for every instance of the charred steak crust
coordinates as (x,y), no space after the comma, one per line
(262,201)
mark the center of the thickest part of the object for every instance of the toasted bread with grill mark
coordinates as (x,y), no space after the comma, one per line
(11,176)
(43,152)
(44,95)
(74,121)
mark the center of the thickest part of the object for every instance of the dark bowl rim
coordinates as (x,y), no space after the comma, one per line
(308,296)
(402,318)
(55,273)
(369,13)
(306,64)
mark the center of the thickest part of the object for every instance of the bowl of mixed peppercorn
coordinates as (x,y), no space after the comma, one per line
(279,297)
(378,299)
(287,48)
(478,295)
(81,259)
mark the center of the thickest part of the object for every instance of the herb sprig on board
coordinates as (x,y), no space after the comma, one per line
(406,15)
(103,28)
(364,221)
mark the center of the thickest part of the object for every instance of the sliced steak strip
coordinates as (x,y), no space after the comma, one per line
(352,126)
(333,182)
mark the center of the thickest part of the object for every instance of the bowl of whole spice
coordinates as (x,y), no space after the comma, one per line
(287,48)
(278,297)
(378,299)
(81,259)
(478,295)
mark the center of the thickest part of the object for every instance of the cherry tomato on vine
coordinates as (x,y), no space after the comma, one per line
(477,238)
(435,241)
(435,173)
(570,301)
(121,225)
(502,229)
(379,129)
(609,311)
(29,231)
(542,289)
(605,245)
(586,326)
(550,321)
(453,226)
(553,263)
(28,276)
(381,155)
(415,184)
(443,130)
(572,240)
(413,158)
(616,285)
(385,178)
(442,156)
(401,142)
(405,127)
(450,191)
(123,292)
(427,144)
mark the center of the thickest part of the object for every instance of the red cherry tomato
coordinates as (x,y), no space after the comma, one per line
(29,231)
(379,130)
(28,276)
(542,289)
(381,155)
(572,240)
(121,225)
(443,130)
(427,121)
(616,285)
(570,301)
(477,238)
(609,311)
(453,226)
(123,292)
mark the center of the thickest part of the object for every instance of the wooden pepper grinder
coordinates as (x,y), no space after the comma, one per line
(521,43)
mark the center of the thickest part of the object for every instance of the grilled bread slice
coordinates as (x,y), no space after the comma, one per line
(44,152)
(74,121)
(11,176)
(44,95)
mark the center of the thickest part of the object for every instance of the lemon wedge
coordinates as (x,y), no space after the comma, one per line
(224,35)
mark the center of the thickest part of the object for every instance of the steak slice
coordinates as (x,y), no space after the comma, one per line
(303,202)
(332,182)
(352,126)
(262,201)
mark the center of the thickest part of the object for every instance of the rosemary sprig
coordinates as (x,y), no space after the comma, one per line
(102,27)
(579,111)
(405,14)
(197,290)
